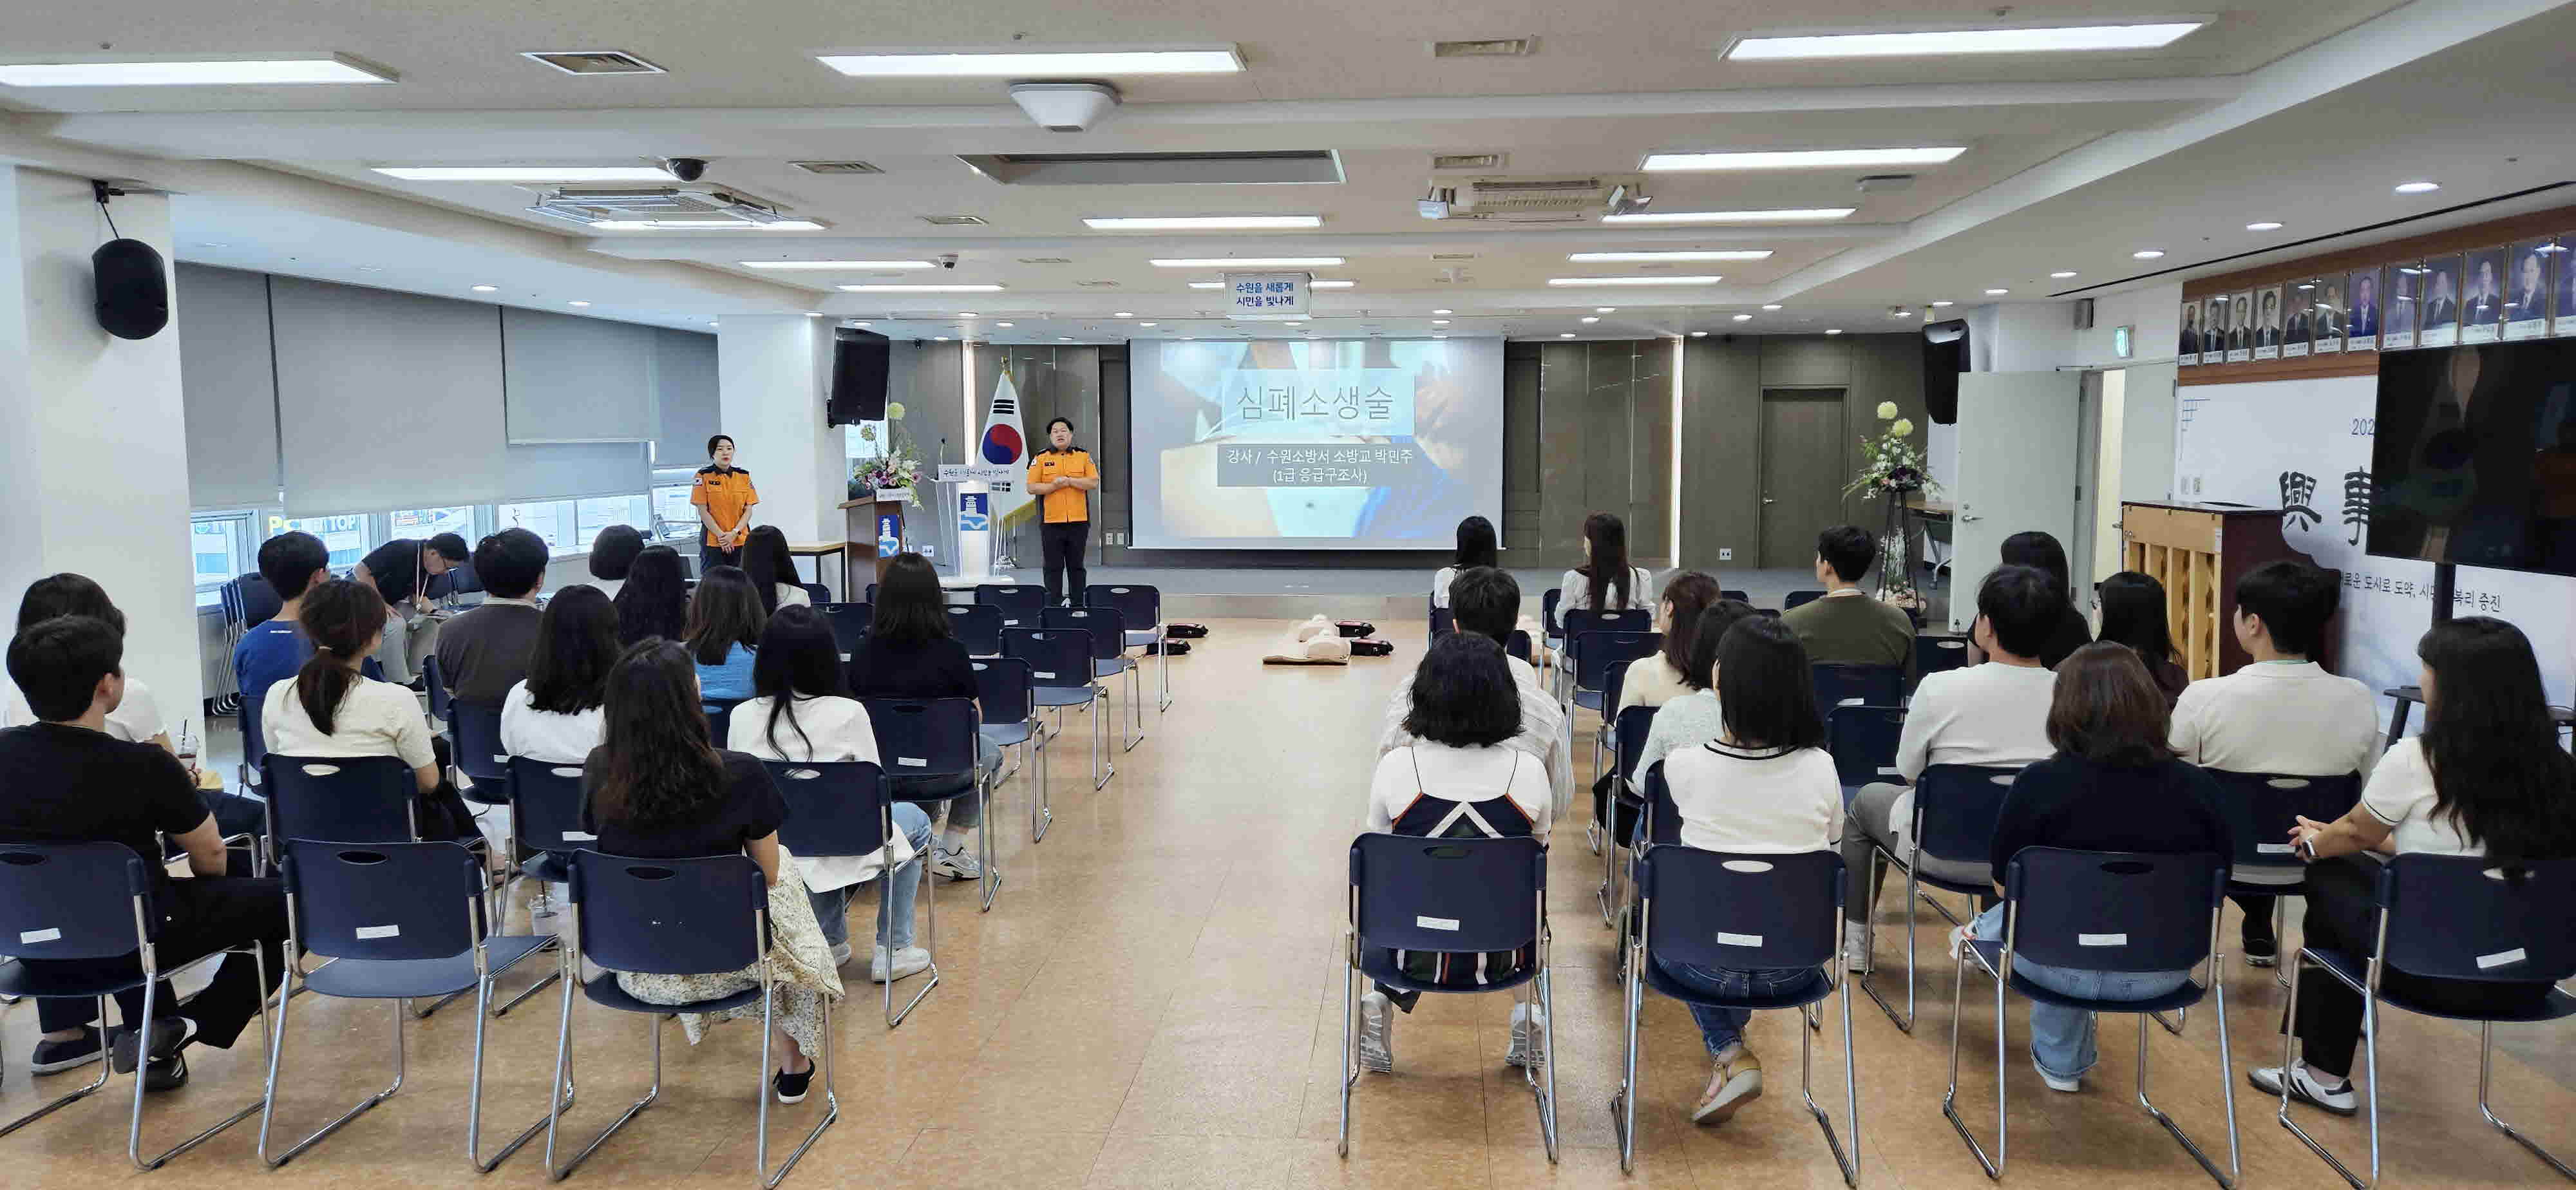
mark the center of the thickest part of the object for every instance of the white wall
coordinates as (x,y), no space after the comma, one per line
(93,446)
(2156,312)
(2030,337)
(772,373)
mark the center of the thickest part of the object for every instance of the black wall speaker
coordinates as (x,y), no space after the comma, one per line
(133,289)
(1945,355)
(861,362)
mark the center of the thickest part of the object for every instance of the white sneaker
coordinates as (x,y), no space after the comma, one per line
(1856,939)
(2066,1085)
(1527,1023)
(1377,1024)
(908,962)
(841,953)
(955,863)
(2306,1087)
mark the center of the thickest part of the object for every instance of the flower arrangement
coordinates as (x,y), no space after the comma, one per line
(1893,464)
(896,468)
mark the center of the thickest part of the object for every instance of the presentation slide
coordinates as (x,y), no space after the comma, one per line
(1351,444)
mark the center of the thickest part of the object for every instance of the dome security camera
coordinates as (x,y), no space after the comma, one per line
(686,169)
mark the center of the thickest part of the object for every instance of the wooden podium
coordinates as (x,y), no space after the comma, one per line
(873,528)
(2198,551)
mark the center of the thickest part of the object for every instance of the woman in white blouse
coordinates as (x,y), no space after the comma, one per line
(1660,678)
(329,709)
(1694,717)
(554,714)
(804,712)
(1476,547)
(1605,581)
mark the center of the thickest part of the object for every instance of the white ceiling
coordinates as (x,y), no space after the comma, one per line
(2305,114)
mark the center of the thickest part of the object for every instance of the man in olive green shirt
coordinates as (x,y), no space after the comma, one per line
(1847,625)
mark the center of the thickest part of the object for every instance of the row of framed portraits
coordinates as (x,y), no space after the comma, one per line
(2517,291)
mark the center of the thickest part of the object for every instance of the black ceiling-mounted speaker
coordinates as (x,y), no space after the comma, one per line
(861,361)
(133,289)
(1945,355)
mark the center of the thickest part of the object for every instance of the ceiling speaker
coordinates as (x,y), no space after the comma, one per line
(133,289)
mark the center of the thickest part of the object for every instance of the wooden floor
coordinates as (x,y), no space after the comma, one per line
(1155,999)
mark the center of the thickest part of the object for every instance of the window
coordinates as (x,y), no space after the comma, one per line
(425,523)
(864,440)
(674,518)
(220,546)
(599,512)
(345,535)
(550,520)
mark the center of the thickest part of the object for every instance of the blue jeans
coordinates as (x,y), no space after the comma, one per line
(832,909)
(2061,1039)
(1723,1028)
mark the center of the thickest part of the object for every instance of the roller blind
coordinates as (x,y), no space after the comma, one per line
(385,400)
(553,470)
(686,391)
(571,379)
(227,387)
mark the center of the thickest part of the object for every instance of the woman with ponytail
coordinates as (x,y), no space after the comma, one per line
(330,709)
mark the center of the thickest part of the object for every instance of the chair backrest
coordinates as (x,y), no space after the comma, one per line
(816,592)
(978,626)
(72,900)
(1743,911)
(834,807)
(1863,742)
(1004,691)
(1108,629)
(433,680)
(1956,806)
(1932,654)
(2114,910)
(1058,657)
(1629,732)
(2260,809)
(476,729)
(1583,620)
(1518,645)
(249,601)
(872,593)
(720,718)
(2457,917)
(1414,893)
(1138,605)
(345,799)
(849,623)
(1596,651)
(1442,622)
(384,901)
(1838,683)
(254,704)
(1663,818)
(1738,596)
(1797,599)
(545,806)
(923,737)
(1547,611)
(1613,677)
(670,916)
(1020,603)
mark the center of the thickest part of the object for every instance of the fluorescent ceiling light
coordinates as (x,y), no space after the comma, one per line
(1699,334)
(1566,335)
(1834,331)
(485,288)
(1020,63)
(1743,318)
(1602,281)
(1729,254)
(2265,225)
(578,303)
(1797,159)
(1250,262)
(1936,305)
(1124,314)
(968,314)
(703,225)
(836,264)
(1770,305)
(526,173)
(1591,318)
(328,68)
(1604,309)
(1005,324)
(1997,292)
(2148,254)
(2418,187)
(1439,322)
(2065,39)
(921,288)
(1444,311)
(1798,215)
(1148,324)
(2063,274)
(1206,223)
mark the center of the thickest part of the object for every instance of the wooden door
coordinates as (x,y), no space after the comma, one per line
(1805,462)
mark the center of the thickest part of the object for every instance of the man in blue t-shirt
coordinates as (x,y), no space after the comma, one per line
(275,648)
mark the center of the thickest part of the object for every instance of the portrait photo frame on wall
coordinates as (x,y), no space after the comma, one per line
(2300,299)
(2482,296)
(2563,288)
(2240,325)
(2438,313)
(2398,319)
(2529,276)
(2187,342)
(2331,315)
(2267,322)
(2361,321)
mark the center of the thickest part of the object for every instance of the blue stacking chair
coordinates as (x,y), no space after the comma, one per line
(720,718)
(351,799)
(1547,605)
(1108,657)
(872,593)
(397,922)
(1955,806)
(840,807)
(1628,737)
(2260,809)
(849,623)
(2103,911)
(935,737)
(545,818)
(1839,684)
(1933,654)
(1138,604)
(1748,912)
(474,737)
(1574,624)
(1518,645)
(1738,596)
(707,916)
(1006,696)
(1594,652)
(1460,895)
(1019,603)
(978,627)
(1798,599)
(433,682)
(2449,917)
(1060,672)
(1863,741)
(1442,623)
(816,593)
(90,901)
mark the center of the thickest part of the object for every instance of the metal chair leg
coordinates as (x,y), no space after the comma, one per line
(1878,861)
(1623,1104)
(885,919)
(1033,754)
(1994,1165)
(831,1099)
(1135,705)
(1163,649)
(474,1099)
(2227,1083)
(1350,1041)
(2486,1068)
(563,1080)
(94,1086)
(1547,1031)
(1101,771)
(268,1116)
(134,1122)
(2369,1048)
(992,877)
(1851,1090)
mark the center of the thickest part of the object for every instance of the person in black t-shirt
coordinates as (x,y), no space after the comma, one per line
(69,781)
(401,571)
(911,652)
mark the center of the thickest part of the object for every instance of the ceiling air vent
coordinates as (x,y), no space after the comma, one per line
(593,62)
(1046,260)
(953,220)
(665,207)
(836,167)
(1540,199)
(1450,161)
(1097,284)
(1453,256)
(1253,167)
(1498,47)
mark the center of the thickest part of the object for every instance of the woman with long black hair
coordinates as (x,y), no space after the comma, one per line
(1605,581)
(1062,477)
(554,714)
(655,600)
(725,619)
(2133,614)
(2487,778)
(911,652)
(773,570)
(2042,552)
(1477,546)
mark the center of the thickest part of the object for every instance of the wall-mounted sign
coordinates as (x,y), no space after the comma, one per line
(1266,296)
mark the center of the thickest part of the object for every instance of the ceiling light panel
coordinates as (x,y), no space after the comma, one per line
(872,288)
(2060,40)
(1584,282)
(1730,254)
(1791,215)
(836,265)
(704,225)
(1204,222)
(1022,62)
(525,173)
(1250,262)
(249,70)
(1797,159)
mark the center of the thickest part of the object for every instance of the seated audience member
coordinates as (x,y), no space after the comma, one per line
(553,714)
(655,789)
(654,601)
(485,651)
(2133,614)
(2113,785)
(1695,718)
(805,712)
(1476,547)
(1767,785)
(399,572)
(1994,714)
(272,650)
(70,781)
(2283,713)
(331,710)
(911,652)
(612,554)
(1486,602)
(2041,551)
(1457,777)
(773,569)
(725,620)
(1847,626)
(2487,778)
(1658,679)
(1605,581)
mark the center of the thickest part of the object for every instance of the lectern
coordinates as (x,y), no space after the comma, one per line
(873,527)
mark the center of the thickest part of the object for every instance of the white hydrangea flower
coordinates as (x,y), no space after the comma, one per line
(1886,410)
